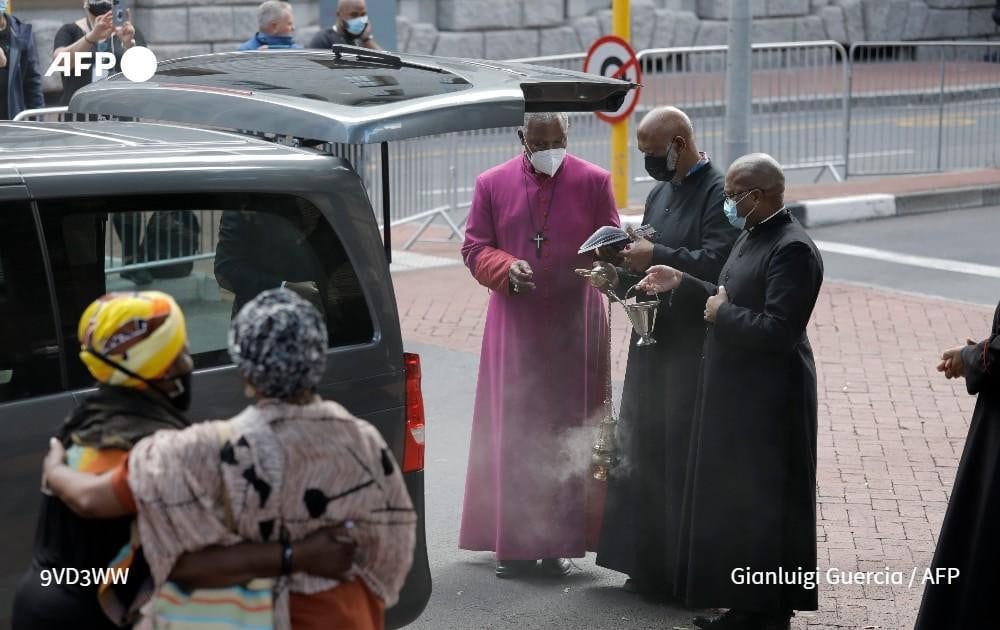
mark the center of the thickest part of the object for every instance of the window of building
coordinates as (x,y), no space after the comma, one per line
(212,253)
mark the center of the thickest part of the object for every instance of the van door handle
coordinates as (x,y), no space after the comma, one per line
(46,351)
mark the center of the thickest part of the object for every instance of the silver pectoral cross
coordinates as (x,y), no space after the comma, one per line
(539,239)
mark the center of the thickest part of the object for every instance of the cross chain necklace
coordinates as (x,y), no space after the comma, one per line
(539,236)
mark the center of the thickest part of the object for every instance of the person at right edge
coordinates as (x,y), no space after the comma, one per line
(968,541)
(643,506)
(352,28)
(750,491)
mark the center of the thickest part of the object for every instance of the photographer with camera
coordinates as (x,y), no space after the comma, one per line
(97,31)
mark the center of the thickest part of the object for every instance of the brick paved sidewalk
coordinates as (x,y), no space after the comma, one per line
(890,428)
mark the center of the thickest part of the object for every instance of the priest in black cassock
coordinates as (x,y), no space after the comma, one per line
(642,512)
(750,494)
(968,540)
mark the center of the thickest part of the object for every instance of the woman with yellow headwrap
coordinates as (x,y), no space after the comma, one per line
(135,346)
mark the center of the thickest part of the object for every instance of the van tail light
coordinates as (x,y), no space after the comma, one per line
(413,442)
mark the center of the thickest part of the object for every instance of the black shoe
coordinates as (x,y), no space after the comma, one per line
(631,586)
(513,568)
(556,567)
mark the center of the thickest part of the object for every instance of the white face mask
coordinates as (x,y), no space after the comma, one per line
(548,161)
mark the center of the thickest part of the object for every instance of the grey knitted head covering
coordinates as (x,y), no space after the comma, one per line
(278,343)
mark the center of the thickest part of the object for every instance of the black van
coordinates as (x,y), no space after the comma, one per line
(213,181)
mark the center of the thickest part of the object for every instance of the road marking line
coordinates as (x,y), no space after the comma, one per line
(932,120)
(926,262)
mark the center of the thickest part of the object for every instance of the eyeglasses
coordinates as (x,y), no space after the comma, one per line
(742,195)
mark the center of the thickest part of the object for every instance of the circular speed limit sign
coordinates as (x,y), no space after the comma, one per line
(612,57)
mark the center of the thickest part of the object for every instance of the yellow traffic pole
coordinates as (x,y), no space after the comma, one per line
(621,26)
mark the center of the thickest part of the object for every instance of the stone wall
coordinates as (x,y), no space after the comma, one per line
(526,28)
(502,29)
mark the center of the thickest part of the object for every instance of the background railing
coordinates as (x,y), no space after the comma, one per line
(823,111)
(923,106)
(799,109)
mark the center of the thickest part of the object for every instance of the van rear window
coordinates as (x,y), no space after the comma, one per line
(212,253)
(348,82)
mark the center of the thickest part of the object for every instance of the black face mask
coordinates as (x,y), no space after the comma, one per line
(656,166)
(659,167)
(182,400)
(97,9)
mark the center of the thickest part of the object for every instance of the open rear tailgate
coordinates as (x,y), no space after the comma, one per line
(347,95)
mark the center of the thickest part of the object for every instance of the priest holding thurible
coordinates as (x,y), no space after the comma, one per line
(543,372)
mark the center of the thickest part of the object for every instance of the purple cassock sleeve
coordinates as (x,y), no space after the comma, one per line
(489,264)
(606,201)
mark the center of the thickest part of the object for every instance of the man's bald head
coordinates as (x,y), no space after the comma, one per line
(350,9)
(660,127)
(760,171)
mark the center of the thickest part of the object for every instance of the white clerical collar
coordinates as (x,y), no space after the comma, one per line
(763,221)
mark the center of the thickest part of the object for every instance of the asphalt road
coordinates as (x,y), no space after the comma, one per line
(958,236)
(466,593)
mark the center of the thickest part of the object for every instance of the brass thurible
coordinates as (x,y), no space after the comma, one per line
(604,455)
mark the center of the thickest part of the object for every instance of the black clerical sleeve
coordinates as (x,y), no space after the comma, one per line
(792,277)
(238,258)
(981,365)
(626,280)
(717,236)
(692,290)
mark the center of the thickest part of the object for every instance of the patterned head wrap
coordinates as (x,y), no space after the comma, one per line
(143,332)
(278,343)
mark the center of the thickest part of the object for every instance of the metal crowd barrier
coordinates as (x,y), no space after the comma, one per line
(879,108)
(799,105)
(923,106)
(167,241)
(52,114)
(799,111)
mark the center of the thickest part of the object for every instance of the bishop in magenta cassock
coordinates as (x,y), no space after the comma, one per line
(543,368)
